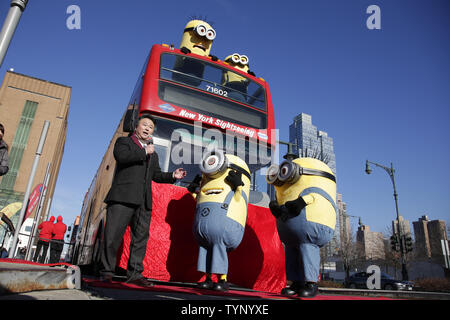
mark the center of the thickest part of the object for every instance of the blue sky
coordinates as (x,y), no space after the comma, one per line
(382,95)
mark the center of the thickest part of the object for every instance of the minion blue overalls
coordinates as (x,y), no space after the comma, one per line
(216,234)
(303,240)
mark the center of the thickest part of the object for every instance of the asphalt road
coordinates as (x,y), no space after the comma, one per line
(99,293)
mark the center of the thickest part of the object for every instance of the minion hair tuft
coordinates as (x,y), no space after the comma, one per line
(315,154)
(202,18)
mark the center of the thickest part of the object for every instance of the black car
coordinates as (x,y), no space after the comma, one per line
(359,280)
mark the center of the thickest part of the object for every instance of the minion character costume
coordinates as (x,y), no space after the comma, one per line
(233,80)
(305,210)
(240,62)
(221,214)
(198,36)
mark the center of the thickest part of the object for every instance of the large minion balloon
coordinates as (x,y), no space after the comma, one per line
(305,209)
(220,215)
(197,38)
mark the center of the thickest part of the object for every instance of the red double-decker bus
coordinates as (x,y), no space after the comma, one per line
(195,106)
(184,92)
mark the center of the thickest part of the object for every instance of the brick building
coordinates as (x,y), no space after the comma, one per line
(25,103)
(428,235)
(371,243)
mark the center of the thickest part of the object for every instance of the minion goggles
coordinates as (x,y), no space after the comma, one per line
(237,58)
(290,172)
(215,163)
(202,31)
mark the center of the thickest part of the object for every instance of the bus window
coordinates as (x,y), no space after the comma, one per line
(212,105)
(213,79)
(187,145)
(162,149)
(188,71)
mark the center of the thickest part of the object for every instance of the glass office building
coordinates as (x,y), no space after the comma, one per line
(311,142)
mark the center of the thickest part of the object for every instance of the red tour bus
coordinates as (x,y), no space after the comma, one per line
(188,93)
(194,107)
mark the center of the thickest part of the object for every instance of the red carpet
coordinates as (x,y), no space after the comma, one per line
(258,262)
(19,261)
(160,287)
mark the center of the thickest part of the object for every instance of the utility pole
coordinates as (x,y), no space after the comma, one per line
(13,248)
(390,171)
(10,25)
(37,214)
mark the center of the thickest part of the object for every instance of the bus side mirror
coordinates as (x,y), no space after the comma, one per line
(130,120)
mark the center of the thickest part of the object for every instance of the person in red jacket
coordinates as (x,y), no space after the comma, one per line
(45,236)
(57,243)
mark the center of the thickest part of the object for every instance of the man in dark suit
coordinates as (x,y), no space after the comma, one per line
(130,199)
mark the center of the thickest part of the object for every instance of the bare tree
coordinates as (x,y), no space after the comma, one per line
(328,251)
(351,253)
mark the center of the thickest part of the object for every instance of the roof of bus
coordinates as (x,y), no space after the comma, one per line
(168,48)
(157,49)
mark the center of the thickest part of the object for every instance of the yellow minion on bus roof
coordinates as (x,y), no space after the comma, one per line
(197,38)
(238,61)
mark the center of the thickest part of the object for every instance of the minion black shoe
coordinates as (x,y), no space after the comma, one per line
(207,284)
(222,285)
(310,290)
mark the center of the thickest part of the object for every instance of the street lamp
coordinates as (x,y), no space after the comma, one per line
(368,170)
(290,155)
(390,172)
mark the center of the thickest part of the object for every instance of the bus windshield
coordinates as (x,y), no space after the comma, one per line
(184,146)
(219,92)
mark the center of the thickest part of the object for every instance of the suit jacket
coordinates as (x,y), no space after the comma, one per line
(134,174)
(4,160)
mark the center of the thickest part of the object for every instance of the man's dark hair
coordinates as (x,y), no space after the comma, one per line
(148,116)
(2,128)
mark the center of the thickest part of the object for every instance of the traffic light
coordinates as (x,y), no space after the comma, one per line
(395,245)
(408,243)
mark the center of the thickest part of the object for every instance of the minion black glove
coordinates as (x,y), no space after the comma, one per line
(234,179)
(195,183)
(295,206)
(279,212)
(185,50)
